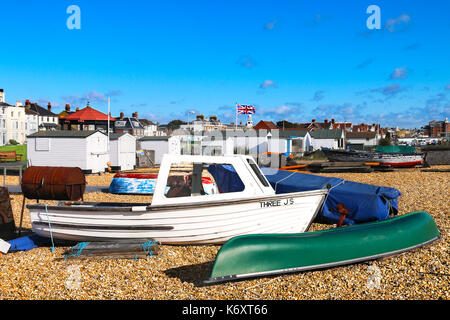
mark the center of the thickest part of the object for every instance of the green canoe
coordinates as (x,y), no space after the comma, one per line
(269,254)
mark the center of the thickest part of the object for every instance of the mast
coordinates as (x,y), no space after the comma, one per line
(108,121)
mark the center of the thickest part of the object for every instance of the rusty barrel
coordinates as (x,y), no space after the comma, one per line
(53,183)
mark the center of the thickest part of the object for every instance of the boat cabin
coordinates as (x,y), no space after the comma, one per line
(180,179)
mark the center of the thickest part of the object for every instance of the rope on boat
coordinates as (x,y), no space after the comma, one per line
(50,228)
(147,247)
(276,183)
(79,246)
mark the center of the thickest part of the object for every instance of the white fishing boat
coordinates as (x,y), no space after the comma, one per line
(186,214)
(392,159)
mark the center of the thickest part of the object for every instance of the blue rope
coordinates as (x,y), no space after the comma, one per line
(50,228)
(147,247)
(79,246)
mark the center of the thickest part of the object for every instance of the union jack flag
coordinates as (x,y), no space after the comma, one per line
(245,109)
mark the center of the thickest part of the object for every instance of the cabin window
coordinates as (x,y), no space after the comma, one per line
(42,144)
(187,179)
(258,172)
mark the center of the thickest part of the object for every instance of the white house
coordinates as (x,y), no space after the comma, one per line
(32,121)
(46,119)
(87,150)
(204,124)
(294,142)
(363,139)
(122,151)
(327,138)
(12,121)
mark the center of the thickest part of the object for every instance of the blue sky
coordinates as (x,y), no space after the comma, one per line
(293,60)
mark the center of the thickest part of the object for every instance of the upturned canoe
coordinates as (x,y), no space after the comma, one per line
(259,255)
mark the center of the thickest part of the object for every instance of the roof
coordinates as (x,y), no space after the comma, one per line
(4,104)
(117,135)
(326,134)
(265,125)
(360,135)
(293,133)
(128,123)
(63,134)
(40,110)
(88,113)
(155,138)
(29,111)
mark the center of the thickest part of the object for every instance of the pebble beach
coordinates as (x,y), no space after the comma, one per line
(176,273)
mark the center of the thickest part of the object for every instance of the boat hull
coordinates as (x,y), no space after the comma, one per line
(207,223)
(396,160)
(262,255)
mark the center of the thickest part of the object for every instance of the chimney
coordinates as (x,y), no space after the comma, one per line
(27,103)
(67,107)
(2,95)
(19,104)
(77,109)
(325,121)
(313,120)
(121,115)
(136,115)
(200,117)
(332,120)
(49,107)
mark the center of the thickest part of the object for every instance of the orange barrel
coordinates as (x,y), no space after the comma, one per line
(53,183)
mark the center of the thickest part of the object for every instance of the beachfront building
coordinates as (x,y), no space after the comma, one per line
(87,119)
(122,151)
(326,138)
(438,129)
(32,121)
(204,124)
(46,119)
(85,149)
(130,125)
(12,121)
(361,140)
(151,129)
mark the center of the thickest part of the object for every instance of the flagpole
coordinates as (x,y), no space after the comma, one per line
(108,121)
(235,123)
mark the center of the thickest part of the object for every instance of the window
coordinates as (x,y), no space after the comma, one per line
(42,144)
(258,172)
(189,179)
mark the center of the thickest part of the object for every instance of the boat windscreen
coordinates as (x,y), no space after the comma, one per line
(258,172)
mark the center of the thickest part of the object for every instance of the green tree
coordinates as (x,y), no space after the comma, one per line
(175,124)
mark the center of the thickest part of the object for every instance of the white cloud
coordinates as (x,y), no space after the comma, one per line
(270,25)
(401,22)
(399,73)
(267,84)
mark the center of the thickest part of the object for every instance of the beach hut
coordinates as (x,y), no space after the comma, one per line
(87,150)
(122,151)
(160,145)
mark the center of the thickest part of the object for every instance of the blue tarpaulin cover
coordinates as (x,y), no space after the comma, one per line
(27,243)
(366,202)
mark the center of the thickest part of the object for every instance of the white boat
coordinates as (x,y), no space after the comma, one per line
(392,159)
(185,214)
